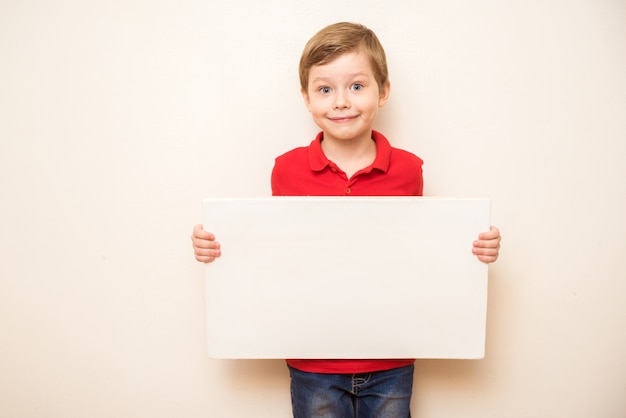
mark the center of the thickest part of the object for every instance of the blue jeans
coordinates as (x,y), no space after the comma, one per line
(385,394)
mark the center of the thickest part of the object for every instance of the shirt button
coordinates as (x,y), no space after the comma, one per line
(348,190)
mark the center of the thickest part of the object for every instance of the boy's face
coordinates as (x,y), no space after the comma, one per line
(343,97)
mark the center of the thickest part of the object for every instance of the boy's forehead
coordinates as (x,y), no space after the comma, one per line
(349,63)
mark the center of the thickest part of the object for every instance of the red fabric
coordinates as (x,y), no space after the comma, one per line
(306,171)
(347,366)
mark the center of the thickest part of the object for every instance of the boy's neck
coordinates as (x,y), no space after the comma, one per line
(350,155)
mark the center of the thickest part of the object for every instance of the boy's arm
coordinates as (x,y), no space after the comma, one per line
(205,248)
(487,246)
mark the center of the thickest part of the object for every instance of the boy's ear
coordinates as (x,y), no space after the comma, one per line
(384,94)
(305,97)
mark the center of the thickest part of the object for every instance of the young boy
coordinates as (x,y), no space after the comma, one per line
(344,81)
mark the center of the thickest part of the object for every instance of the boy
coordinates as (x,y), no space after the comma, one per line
(344,81)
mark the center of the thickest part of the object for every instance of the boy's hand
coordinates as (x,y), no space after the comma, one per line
(487,246)
(205,248)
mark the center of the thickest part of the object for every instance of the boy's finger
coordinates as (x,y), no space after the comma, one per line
(203,243)
(199,232)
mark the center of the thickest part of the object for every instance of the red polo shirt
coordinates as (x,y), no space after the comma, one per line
(306,171)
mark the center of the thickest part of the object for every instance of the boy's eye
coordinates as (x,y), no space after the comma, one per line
(324,90)
(357,86)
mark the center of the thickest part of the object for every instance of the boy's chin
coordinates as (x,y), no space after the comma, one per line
(347,136)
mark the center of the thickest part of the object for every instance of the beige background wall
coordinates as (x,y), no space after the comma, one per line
(117,117)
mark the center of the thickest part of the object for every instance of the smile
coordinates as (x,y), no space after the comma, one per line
(342,119)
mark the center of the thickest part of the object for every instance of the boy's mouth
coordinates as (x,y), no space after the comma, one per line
(342,119)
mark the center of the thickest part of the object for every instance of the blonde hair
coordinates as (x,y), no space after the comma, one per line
(337,39)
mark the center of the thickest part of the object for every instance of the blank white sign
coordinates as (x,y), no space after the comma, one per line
(336,277)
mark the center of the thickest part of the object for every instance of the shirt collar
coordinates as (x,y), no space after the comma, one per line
(319,162)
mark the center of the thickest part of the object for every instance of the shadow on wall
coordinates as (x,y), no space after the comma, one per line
(247,374)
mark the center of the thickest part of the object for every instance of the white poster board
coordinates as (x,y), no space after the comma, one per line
(335,277)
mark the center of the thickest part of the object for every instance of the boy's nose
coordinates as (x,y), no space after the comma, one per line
(341,101)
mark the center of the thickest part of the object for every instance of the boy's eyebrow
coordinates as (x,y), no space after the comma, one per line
(349,75)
